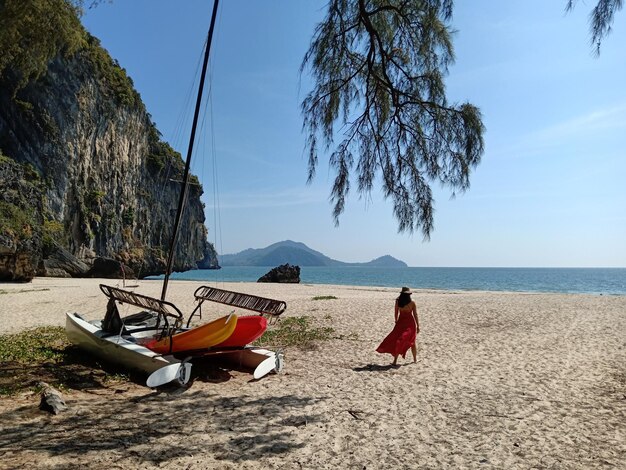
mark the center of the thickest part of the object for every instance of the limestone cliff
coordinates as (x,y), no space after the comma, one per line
(108,187)
(20,221)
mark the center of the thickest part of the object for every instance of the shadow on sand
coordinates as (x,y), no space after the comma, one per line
(158,428)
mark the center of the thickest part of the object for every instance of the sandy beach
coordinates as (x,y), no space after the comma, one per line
(503,380)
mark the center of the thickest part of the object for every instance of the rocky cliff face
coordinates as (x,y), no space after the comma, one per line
(20,221)
(109,186)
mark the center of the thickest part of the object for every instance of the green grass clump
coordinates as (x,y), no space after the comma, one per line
(324,297)
(295,331)
(32,346)
(45,355)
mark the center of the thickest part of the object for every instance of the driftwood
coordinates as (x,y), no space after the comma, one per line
(51,399)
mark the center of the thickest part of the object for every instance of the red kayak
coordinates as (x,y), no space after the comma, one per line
(247,330)
(200,337)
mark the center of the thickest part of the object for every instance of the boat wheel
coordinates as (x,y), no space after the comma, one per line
(184,372)
(280,361)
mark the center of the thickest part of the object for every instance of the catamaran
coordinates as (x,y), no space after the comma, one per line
(153,340)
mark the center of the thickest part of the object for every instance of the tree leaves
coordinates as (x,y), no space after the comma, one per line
(600,19)
(379,68)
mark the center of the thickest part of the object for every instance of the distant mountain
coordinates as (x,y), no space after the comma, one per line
(387,261)
(295,253)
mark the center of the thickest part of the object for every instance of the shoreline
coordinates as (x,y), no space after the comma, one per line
(45,300)
(595,281)
(503,380)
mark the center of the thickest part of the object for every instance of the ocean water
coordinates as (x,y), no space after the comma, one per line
(604,281)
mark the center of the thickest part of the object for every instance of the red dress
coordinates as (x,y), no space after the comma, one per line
(402,337)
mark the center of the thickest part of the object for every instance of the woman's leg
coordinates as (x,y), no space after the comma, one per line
(395,360)
(414,351)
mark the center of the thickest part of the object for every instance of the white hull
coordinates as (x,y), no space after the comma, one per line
(261,361)
(114,348)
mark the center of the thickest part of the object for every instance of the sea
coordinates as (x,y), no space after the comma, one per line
(598,281)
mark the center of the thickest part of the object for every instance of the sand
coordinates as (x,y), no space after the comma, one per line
(503,380)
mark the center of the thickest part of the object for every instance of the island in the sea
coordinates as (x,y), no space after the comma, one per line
(296,253)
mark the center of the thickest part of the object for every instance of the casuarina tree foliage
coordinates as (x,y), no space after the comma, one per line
(378,68)
(600,19)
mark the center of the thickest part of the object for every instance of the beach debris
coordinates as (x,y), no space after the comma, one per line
(295,421)
(51,399)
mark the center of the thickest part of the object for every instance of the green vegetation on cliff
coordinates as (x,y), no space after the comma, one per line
(19,200)
(16,222)
(20,220)
(104,180)
(111,74)
(33,32)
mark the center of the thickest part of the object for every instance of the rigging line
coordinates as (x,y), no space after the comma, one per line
(208,116)
(181,120)
(201,148)
(208,111)
(207,104)
(208,120)
(216,210)
(170,260)
(217,220)
(201,141)
(183,115)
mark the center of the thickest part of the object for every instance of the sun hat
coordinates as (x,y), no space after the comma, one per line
(406,290)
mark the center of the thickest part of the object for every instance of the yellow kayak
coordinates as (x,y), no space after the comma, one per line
(200,337)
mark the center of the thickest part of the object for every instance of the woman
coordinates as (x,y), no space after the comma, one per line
(403,335)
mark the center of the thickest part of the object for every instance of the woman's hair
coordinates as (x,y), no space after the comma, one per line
(404,299)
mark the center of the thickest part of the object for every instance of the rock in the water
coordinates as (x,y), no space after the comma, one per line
(51,399)
(209,260)
(285,273)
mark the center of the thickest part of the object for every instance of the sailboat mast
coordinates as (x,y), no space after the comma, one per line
(183,192)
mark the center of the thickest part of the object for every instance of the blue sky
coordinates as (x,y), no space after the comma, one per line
(549,191)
